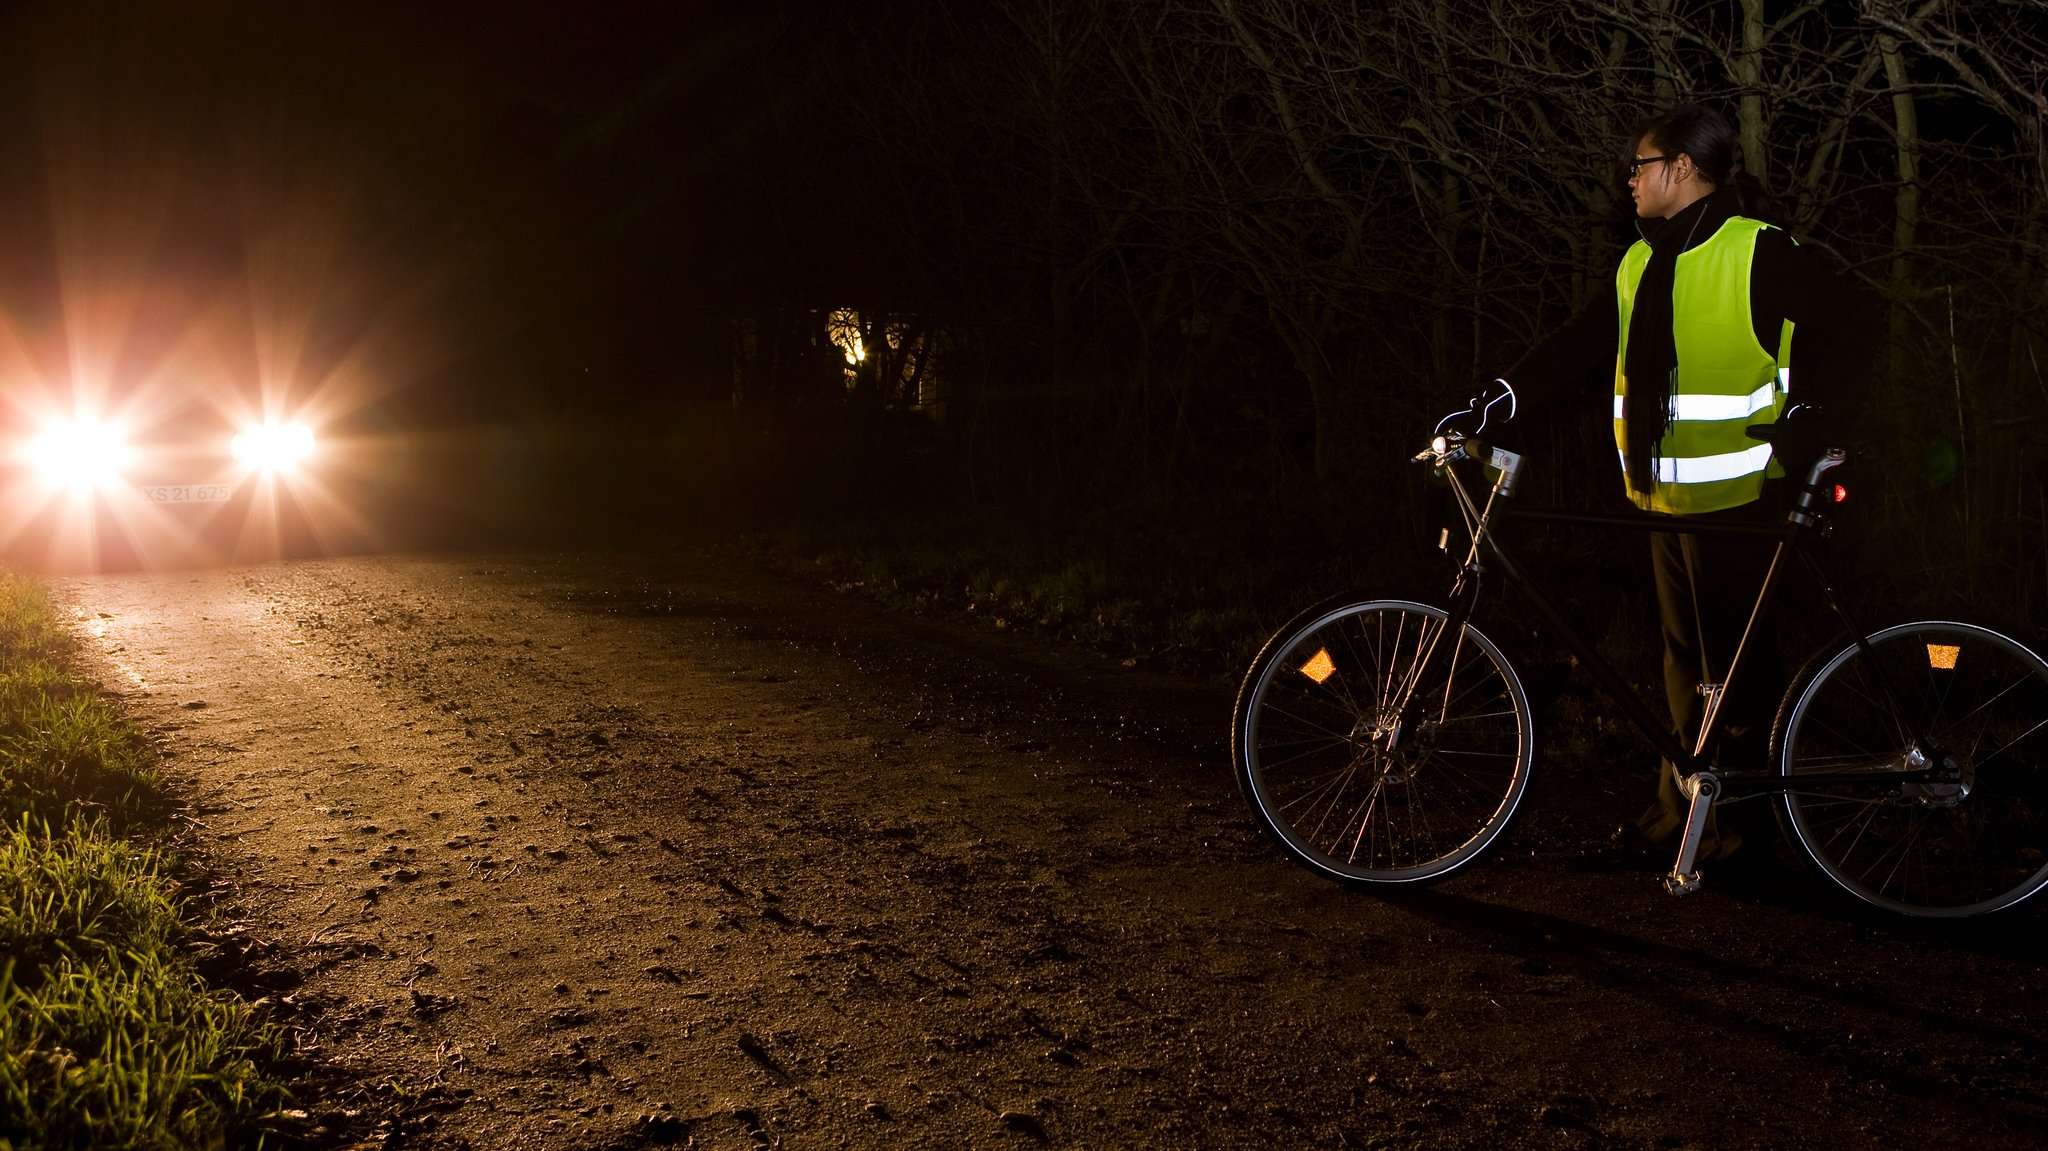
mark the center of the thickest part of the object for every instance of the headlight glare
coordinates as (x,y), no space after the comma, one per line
(78,454)
(274,447)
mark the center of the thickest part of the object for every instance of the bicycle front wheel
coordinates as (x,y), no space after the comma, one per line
(1375,747)
(1960,827)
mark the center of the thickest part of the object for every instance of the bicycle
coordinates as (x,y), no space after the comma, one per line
(1387,741)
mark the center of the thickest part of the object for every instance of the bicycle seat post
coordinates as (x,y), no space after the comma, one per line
(1712,693)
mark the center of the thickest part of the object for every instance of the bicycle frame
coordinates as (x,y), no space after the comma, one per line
(1699,780)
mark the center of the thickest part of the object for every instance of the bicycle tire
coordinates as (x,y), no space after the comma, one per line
(1330,778)
(1971,840)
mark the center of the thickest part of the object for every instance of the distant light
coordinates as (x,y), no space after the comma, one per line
(274,447)
(79,454)
(843,327)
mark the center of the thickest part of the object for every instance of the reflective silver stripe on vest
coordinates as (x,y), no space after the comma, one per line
(1707,408)
(1710,469)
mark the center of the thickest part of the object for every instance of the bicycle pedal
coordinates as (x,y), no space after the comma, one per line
(1682,883)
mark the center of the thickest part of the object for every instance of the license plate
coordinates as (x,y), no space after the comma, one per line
(188,493)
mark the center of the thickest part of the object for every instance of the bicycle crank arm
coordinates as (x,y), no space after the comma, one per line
(1703,788)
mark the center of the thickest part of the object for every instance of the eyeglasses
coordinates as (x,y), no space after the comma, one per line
(1635,166)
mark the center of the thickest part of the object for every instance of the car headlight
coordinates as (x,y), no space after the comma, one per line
(79,454)
(274,447)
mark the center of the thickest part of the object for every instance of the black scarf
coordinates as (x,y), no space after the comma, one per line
(1652,359)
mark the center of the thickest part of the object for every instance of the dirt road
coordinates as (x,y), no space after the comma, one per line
(601,852)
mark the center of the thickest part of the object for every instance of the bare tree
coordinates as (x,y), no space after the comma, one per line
(1138,200)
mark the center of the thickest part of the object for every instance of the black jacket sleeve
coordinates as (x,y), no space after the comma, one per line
(1828,309)
(1787,281)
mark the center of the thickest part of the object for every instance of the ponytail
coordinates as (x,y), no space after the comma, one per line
(1752,199)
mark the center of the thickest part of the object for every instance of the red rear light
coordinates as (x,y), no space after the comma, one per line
(1841,494)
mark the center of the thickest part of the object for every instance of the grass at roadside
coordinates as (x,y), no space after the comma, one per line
(109,1037)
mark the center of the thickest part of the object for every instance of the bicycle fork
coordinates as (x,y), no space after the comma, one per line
(1464,595)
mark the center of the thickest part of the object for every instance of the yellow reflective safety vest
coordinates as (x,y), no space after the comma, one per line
(1725,382)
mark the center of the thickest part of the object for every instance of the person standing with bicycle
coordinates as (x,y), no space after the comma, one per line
(1699,324)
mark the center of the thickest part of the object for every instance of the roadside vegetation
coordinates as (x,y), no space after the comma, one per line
(1146,590)
(1163,589)
(1157,593)
(1162,621)
(109,1035)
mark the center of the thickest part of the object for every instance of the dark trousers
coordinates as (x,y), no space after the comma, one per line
(1706,588)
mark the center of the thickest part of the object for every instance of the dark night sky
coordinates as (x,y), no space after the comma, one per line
(473,204)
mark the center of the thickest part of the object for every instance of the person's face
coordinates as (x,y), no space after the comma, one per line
(1657,181)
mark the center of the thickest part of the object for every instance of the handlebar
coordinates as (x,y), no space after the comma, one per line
(1482,406)
(1448,447)
(1452,443)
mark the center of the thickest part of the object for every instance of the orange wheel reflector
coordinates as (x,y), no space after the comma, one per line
(1320,667)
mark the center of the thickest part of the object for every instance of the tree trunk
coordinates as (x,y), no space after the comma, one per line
(1749,73)
(1663,54)
(1906,201)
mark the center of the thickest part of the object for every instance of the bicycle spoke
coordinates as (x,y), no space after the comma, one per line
(2008,745)
(1960,837)
(1376,747)
(1334,735)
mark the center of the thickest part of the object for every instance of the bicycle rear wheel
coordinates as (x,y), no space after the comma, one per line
(1964,840)
(1336,777)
